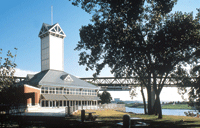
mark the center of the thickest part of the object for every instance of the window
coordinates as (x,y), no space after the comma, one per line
(46,90)
(85,92)
(89,92)
(61,90)
(51,90)
(68,78)
(77,91)
(70,91)
(73,91)
(93,92)
(64,91)
(58,90)
(42,90)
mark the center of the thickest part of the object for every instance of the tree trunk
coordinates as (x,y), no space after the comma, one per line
(159,109)
(157,106)
(150,112)
(154,107)
(144,102)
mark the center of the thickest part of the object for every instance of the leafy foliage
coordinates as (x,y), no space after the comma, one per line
(105,97)
(12,96)
(126,9)
(120,102)
(7,69)
(192,80)
(132,92)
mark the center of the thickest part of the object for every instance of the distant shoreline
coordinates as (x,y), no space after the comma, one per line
(165,106)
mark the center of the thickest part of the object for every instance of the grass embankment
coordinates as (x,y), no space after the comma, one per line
(110,115)
(176,106)
(165,106)
(135,105)
(104,114)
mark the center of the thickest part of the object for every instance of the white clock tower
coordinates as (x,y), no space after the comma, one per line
(52,47)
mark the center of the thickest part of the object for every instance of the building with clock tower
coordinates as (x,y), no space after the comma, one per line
(52,87)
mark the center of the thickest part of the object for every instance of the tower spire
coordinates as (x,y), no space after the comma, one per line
(51,15)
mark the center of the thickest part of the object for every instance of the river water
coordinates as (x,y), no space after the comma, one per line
(175,112)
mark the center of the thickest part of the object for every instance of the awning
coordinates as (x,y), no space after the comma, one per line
(74,97)
(78,97)
(69,97)
(91,98)
(53,97)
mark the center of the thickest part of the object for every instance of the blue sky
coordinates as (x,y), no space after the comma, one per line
(21,21)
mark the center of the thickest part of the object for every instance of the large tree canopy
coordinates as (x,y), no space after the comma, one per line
(150,46)
(126,9)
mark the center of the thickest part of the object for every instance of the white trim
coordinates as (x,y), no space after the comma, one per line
(57,32)
(68,78)
(32,87)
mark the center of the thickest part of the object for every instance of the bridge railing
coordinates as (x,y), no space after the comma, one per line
(127,82)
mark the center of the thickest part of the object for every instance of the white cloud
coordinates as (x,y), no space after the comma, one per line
(23,73)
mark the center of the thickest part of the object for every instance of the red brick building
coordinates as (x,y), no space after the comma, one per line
(32,95)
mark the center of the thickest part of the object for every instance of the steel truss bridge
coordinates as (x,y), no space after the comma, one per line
(118,84)
(125,83)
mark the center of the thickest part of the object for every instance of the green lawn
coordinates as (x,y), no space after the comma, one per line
(110,115)
(176,106)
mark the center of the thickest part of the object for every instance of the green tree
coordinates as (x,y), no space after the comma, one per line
(12,95)
(7,69)
(120,102)
(105,97)
(126,9)
(189,81)
(150,46)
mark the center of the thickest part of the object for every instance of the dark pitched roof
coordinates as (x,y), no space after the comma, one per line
(57,78)
(36,78)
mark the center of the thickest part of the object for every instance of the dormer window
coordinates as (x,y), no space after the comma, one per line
(68,78)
